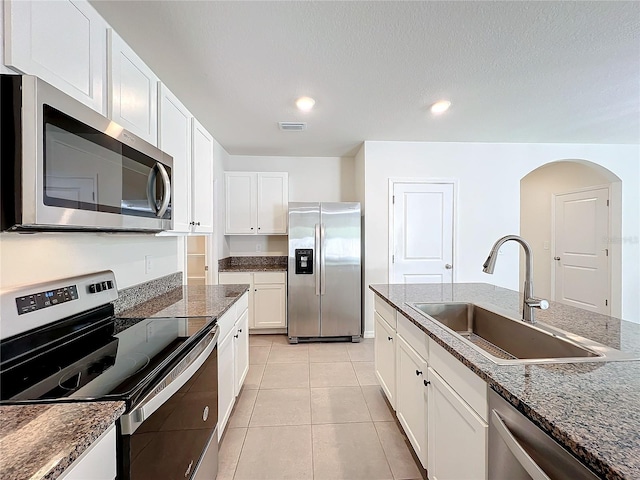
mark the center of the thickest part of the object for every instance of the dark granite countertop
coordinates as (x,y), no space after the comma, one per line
(253,264)
(189,301)
(41,441)
(593,409)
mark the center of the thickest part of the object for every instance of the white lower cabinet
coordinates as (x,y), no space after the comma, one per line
(411,398)
(98,462)
(267,297)
(233,358)
(241,350)
(457,435)
(440,403)
(385,357)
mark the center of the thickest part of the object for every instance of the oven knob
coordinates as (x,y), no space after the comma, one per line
(205,414)
(105,286)
(109,284)
(92,288)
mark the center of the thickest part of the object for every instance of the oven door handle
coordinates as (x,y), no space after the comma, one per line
(169,385)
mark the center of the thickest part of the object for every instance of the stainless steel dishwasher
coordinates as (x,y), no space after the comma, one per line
(519,450)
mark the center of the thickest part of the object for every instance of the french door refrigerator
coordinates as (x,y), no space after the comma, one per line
(324,276)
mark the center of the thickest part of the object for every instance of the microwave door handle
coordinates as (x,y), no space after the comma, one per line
(166,197)
(151,197)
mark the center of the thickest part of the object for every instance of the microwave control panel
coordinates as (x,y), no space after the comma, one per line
(38,301)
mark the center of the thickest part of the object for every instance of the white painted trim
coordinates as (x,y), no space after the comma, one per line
(454,231)
(368,334)
(615,300)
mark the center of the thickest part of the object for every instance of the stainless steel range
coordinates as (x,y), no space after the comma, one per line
(62,343)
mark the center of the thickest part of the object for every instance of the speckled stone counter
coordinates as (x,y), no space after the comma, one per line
(189,301)
(593,409)
(253,264)
(41,441)
(132,296)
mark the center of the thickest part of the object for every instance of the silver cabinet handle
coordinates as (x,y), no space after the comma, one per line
(516,449)
(556,258)
(323,269)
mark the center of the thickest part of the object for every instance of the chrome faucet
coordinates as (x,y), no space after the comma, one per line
(530,302)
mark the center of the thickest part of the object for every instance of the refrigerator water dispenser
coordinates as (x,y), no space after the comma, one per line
(304,261)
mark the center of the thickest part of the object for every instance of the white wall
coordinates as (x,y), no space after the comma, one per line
(536,190)
(311,179)
(489,203)
(39,257)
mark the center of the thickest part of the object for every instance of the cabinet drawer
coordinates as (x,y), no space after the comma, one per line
(466,383)
(385,310)
(228,278)
(242,304)
(226,321)
(269,277)
(413,336)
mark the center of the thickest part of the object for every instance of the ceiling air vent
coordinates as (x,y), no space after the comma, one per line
(292,126)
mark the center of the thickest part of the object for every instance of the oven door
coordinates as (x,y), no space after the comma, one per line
(81,171)
(172,432)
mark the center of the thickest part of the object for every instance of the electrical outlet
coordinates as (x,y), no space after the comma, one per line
(258,247)
(545,245)
(148,264)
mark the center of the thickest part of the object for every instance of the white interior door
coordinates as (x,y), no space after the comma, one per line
(422,245)
(581,260)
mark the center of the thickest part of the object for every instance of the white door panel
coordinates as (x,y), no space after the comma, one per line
(422,250)
(581,255)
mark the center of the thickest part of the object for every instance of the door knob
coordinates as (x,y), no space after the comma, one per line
(448,266)
(556,258)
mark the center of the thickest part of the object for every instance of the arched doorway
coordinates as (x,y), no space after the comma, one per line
(571,214)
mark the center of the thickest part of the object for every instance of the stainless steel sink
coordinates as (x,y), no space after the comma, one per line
(507,341)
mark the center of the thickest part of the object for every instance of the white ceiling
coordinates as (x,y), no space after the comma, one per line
(523,71)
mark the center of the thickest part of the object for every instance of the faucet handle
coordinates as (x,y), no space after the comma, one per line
(540,303)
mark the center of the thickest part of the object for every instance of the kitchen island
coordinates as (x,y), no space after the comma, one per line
(592,409)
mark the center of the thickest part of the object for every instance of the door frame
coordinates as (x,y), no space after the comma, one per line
(430,181)
(614,280)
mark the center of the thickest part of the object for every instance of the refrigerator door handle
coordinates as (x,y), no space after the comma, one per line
(317,258)
(323,280)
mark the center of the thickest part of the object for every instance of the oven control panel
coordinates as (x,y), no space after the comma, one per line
(100,286)
(37,301)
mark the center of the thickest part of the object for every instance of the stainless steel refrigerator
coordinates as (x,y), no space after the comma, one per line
(324,276)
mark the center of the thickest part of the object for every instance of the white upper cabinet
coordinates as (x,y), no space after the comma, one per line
(133,89)
(256,203)
(240,202)
(202,180)
(63,42)
(273,200)
(174,138)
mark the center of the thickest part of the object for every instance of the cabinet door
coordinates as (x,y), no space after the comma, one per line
(174,138)
(240,203)
(270,306)
(202,182)
(454,429)
(273,198)
(411,400)
(134,91)
(241,338)
(385,358)
(62,42)
(226,380)
(98,462)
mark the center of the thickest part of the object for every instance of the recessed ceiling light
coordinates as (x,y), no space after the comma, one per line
(440,106)
(305,103)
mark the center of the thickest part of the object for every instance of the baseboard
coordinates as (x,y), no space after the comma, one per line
(267,331)
(368,334)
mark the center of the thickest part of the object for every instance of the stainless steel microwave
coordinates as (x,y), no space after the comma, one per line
(64,166)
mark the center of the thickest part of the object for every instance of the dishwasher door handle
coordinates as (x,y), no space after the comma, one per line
(516,449)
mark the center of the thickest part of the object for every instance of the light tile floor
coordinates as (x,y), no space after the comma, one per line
(313,411)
